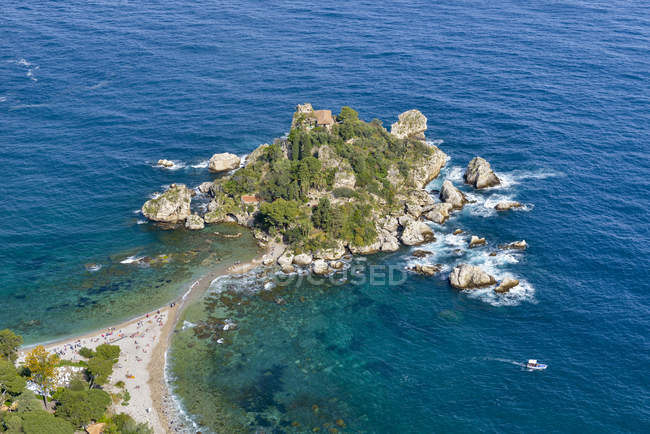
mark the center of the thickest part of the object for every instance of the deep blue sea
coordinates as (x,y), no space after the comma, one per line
(555,94)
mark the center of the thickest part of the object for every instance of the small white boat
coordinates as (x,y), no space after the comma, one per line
(533,365)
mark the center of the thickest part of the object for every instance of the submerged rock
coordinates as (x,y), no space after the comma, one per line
(476,241)
(451,195)
(505,206)
(223,162)
(506,285)
(194,222)
(426,269)
(172,206)
(480,174)
(411,123)
(465,276)
(439,213)
(420,253)
(415,232)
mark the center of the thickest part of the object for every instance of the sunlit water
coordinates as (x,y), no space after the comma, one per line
(554,95)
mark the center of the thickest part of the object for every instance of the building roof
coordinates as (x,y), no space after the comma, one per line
(324,117)
(249,199)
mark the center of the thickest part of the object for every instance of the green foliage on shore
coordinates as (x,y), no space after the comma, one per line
(70,408)
(9,344)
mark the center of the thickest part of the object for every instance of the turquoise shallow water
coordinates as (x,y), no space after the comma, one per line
(553,94)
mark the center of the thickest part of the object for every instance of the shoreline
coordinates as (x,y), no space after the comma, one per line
(151,398)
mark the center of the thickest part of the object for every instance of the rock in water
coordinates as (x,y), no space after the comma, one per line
(480,174)
(194,222)
(165,163)
(505,206)
(506,285)
(411,123)
(465,276)
(285,259)
(319,267)
(476,241)
(427,269)
(519,245)
(172,206)
(439,213)
(420,253)
(223,162)
(416,232)
(303,259)
(451,195)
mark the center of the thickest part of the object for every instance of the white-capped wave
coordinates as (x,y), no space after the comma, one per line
(141,222)
(200,165)
(3,98)
(177,165)
(524,292)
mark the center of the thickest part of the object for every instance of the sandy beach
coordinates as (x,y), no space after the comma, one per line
(143,342)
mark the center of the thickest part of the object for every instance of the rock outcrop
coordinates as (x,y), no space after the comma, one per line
(165,163)
(420,253)
(285,258)
(344,179)
(331,254)
(476,241)
(480,175)
(194,222)
(427,168)
(506,285)
(205,188)
(426,269)
(303,259)
(411,123)
(505,206)
(257,153)
(319,267)
(365,250)
(439,213)
(451,195)
(515,245)
(172,206)
(465,276)
(223,162)
(415,232)
(418,202)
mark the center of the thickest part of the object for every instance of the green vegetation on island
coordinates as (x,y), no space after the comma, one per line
(333,182)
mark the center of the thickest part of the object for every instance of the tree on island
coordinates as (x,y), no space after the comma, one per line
(42,366)
(9,344)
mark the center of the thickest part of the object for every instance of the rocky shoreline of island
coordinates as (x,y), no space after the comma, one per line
(396,209)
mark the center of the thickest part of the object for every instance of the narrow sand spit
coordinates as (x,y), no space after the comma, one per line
(143,342)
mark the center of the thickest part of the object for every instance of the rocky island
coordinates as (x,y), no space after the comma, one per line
(335,185)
